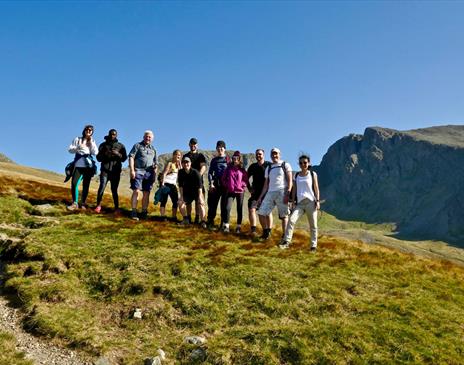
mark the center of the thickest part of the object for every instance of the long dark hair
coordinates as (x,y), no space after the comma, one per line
(88,126)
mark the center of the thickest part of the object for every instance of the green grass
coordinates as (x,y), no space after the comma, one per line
(79,282)
(8,353)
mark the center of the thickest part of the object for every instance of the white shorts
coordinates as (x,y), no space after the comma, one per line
(272,199)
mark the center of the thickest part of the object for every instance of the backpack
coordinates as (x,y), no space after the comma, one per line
(282,166)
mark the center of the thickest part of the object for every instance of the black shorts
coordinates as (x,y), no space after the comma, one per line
(252,200)
(188,199)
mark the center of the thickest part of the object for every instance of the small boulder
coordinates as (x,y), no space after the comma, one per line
(198,355)
(137,313)
(195,340)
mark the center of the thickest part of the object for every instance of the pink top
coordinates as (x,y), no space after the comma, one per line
(234,179)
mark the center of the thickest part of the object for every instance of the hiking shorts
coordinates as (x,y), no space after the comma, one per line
(143,180)
(253,201)
(272,199)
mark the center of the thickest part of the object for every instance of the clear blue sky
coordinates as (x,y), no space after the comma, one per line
(297,75)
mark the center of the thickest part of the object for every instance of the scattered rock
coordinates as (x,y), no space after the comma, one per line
(102,361)
(153,361)
(195,340)
(44,208)
(198,355)
(137,313)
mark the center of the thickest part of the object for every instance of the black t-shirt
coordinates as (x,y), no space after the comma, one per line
(197,159)
(189,182)
(257,172)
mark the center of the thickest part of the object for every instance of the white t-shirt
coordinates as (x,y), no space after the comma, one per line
(304,187)
(276,175)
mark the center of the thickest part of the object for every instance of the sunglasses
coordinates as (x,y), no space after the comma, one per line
(304,163)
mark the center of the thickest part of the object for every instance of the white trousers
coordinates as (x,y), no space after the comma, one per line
(307,207)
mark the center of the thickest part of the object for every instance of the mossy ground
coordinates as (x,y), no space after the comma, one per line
(80,280)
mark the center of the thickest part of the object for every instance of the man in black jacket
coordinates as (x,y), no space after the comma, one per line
(111,154)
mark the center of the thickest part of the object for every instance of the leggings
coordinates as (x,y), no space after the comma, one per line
(173,194)
(230,198)
(113,178)
(83,174)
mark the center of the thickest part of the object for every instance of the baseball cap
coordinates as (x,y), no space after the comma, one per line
(220,144)
(186,159)
(193,141)
(275,149)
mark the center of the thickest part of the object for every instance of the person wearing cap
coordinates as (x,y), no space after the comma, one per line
(189,181)
(83,148)
(216,192)
(198,161)
(305,197)
(143,166)
(276,191)
(256,174)
(111,154)
(234,181)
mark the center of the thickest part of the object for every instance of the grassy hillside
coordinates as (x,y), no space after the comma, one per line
(79,278)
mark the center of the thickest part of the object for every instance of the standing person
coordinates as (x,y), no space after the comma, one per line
(198,161)
(84,148)
(169,180)
(216,192)
(142,165)
(305,194)
(111,154)
(190,188)
(276,192)
(256,174)
(234,180)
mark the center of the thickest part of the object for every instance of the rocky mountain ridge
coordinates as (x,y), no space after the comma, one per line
(412,178)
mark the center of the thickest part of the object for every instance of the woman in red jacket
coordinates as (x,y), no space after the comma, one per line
(234,181)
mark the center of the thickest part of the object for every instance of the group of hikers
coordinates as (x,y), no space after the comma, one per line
(270,183)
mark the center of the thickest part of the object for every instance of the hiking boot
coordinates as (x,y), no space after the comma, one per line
(266,234)
(203,225)
(313,249)
(143,214)
(226,229)
(184,223)
(98,209)
(72,207)
(83,207)
(238,230)
(133,215)
(284,245)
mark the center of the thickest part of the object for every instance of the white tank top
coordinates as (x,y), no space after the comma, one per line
(304,187)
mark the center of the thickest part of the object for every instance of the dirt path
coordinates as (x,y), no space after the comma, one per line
(35,349)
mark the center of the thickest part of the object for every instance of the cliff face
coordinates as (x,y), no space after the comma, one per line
(413,178)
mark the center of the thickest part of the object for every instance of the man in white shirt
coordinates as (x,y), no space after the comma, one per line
(276,191)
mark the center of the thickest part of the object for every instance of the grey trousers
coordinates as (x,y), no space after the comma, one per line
(307,207)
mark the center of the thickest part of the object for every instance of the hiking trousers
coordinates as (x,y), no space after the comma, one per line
(305,207)
(214,197)
(113,178)
(230,199)
(84,175)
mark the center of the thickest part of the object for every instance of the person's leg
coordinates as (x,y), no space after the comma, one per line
(88,174)
(311,212)
(114,180)
(76,180)
(240,208)
(213,201)
(174,194)
(145,201)
(102,187)
(229,202)
(163,202)
(252,214)
(296,214)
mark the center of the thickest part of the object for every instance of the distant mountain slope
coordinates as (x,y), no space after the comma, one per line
(412,178)
(4,158)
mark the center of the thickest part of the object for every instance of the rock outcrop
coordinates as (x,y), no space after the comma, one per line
(412,178)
